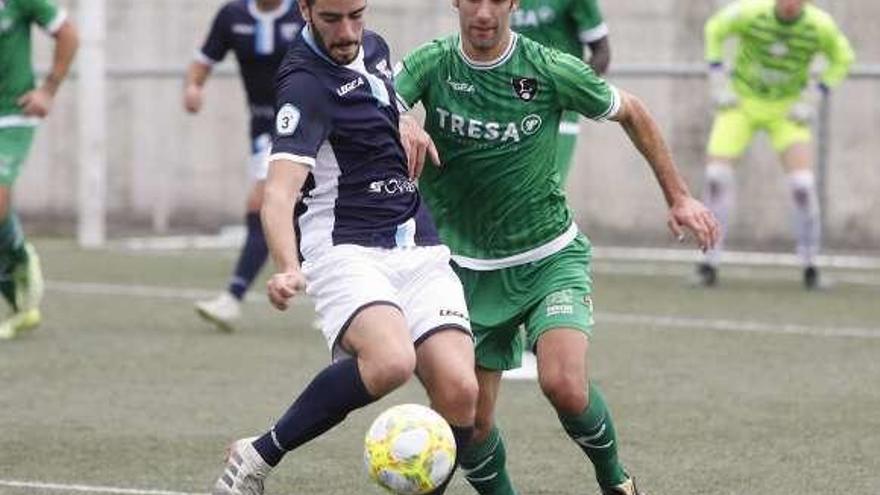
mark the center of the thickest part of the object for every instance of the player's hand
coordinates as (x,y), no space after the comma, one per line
(690,215)
(36,103)
(417,144)
(723,96)
(802,113)
(283,286)
(192,98)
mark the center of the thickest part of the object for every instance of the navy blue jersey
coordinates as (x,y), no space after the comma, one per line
(259,41)
(342,121)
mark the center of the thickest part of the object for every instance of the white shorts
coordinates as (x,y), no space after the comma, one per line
(259,163)
(417,280)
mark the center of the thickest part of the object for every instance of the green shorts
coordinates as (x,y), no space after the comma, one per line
(15,142)
(733,128)
(550,293)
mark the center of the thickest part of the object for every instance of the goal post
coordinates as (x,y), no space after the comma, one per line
(91,97)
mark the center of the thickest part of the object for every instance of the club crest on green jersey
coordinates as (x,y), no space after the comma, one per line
(525,87)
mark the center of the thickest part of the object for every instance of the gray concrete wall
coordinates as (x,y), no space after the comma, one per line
(190,172)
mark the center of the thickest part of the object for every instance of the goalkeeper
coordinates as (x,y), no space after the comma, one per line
(770,90)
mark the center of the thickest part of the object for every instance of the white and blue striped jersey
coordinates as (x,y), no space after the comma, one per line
(342,121)
(259,41)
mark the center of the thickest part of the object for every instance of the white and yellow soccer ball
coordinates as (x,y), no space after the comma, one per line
(409,450)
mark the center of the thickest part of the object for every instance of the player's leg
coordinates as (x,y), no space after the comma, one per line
(499,346)
(254,252)
(437,315)
(559,326)
(793,141)
(445,365)
(731,134)
(485,460)
(373,354)
(21,280)
(225,309)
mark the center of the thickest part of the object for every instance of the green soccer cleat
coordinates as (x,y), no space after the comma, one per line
(628,487)
(29,285)
(19,323)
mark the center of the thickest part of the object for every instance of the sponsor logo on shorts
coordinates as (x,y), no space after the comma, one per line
(454,313)
(560,303)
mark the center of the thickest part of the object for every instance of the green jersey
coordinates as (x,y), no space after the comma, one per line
(16,70)
(566,25)
(497,198)
(773,57)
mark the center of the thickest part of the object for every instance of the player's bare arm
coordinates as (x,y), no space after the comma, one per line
(600,55)
(38,102)
(417,144)
(285,179)
(685,212)
(196,76)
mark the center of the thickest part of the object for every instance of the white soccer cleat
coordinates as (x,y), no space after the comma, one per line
(222,311)
(628,487)
(528,370)
(244,472)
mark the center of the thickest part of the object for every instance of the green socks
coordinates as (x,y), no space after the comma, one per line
(485,467)
(593,431)
(12,253)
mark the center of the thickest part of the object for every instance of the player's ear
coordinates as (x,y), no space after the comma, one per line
(305,10)
(514,4)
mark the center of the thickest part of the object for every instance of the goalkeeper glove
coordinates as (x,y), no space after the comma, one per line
(804,111)
(723,96)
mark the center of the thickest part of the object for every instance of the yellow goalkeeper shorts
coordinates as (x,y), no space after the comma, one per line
(734,127)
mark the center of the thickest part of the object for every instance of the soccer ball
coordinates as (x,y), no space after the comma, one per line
(409,450)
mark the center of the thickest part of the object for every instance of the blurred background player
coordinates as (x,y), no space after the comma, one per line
(372,260)
(493,102)
(259,33)
(22,106)
(771,91)
(569,26)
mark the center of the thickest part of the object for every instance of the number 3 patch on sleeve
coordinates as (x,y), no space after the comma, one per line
(287,120)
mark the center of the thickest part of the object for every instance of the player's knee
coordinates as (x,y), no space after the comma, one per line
(457,396)
(393,368)
(719,176)
(567,393)
(803,188)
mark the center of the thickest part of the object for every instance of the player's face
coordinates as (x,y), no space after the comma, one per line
(789,10)
(338,26)
(485,24)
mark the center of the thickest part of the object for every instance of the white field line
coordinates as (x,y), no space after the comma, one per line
(62,487)
(733,257)
(658,322)
(232,237)
(721,325)
(606,266)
